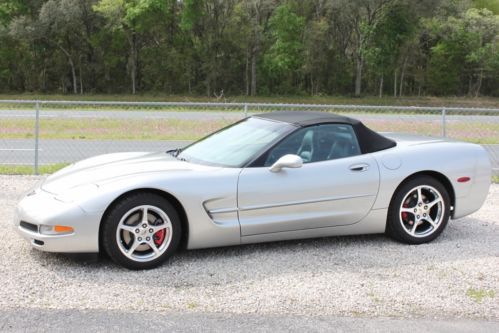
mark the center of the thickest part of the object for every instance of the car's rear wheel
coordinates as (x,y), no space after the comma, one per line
(141,231)
(419,211)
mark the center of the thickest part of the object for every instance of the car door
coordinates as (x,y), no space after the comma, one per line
(335,186)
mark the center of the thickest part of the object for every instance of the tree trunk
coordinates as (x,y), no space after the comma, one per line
(246,73)
(73,73)
(253,72)
(479,85)
(470,85)
(73,70)
(358,76)
(133,60)
(311,84)
(381,86)
(81,77)
(395,83)
(402,74)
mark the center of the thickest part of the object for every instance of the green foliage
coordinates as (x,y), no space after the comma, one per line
(286,52)
(235,47)
(388,36)
(492,5)
(10,9)
(191,15)
(465,52)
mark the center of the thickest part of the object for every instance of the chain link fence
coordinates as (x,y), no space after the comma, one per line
(42,134)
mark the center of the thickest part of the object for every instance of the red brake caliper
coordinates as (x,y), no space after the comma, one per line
(159,237)
(404,214)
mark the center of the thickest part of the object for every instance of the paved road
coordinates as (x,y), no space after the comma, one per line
(20,151)
(74,320)
(230,114)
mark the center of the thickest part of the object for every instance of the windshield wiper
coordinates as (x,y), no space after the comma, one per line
(174,152)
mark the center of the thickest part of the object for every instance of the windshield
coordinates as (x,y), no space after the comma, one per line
(236,145)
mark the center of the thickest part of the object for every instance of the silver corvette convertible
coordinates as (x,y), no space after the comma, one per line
(269,177)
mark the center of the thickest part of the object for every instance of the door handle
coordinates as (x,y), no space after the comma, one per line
(359,167)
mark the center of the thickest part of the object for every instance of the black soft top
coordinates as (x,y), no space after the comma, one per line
(369,141)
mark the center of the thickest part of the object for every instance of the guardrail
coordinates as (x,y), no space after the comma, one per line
(41,132)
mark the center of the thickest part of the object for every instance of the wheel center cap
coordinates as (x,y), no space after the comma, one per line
(143,232)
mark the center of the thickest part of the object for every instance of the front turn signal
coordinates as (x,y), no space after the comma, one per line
(63,229)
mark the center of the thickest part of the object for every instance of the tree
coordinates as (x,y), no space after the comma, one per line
(363,15)
(208,23)
(388,35)
(258,13)
(130,17)
(59,24)
(251,47)
(464,52)
(285,55)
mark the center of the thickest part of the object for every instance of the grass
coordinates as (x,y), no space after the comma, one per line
(181,129)
(478,295)
(486,102)
(192,305)
(28,169)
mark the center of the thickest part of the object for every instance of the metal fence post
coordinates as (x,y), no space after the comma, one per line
(37,132)
(443,123)
(245,110)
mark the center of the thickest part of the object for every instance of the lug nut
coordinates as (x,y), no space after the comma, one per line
(151,231)
(417,216)
(419,204)
(424,215)
(415,210)
(139,239)
(425,207)
(144,225)
(137,231)
(148,239)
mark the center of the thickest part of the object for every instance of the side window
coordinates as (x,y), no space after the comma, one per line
(317,143)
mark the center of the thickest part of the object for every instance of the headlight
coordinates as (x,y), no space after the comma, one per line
(77,192)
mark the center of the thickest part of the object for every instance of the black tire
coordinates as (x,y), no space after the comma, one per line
(111,239)
(399,226)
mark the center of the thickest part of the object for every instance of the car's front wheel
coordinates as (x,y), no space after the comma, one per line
(419,211)
(141,231)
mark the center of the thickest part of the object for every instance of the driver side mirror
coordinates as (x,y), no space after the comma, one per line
(287,161)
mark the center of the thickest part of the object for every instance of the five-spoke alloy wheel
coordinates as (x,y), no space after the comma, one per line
(141,231)
(419,211)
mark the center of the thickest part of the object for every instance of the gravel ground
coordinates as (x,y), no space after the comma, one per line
(456,276)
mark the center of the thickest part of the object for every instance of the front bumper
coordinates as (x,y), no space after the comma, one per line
(41,208)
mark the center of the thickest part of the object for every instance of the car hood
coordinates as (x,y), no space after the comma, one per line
(107,168)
